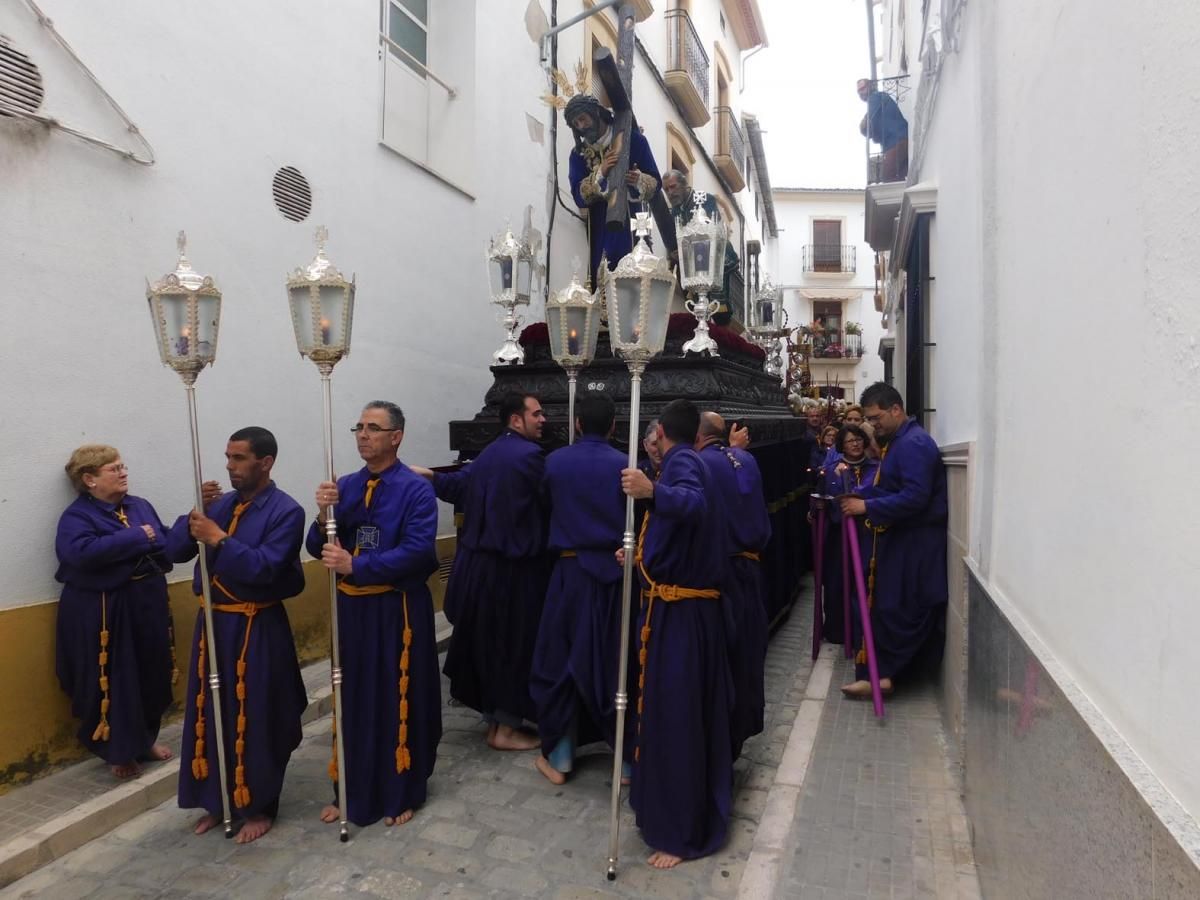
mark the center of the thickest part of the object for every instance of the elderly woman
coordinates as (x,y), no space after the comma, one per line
(114,648)
(845,472)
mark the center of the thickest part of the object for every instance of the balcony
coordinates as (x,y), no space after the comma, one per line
(834,347)
(886,171)
(831,259)
(731,149)
(687,67)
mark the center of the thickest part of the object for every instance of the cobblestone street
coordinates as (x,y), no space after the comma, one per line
(493,827)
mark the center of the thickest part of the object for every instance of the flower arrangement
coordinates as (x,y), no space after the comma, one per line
(853,328)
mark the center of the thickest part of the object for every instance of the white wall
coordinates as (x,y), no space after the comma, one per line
(1067,345)
(226,94)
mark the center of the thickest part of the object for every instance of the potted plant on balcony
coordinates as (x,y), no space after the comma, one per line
(854,328)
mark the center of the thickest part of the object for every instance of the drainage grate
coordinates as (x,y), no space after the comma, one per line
(20,81)
(293,196)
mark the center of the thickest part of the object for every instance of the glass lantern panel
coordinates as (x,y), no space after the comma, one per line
(576,331)
(660,313)
(554,314)
(524,280)
(501,270)
(178,330)
(629,300)
(333,316)
(298,300)
(766,312)
(208,315)
(716,261)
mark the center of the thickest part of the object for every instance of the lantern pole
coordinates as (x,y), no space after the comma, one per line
(572,378)
(187,358)
(636,368)
(335,656)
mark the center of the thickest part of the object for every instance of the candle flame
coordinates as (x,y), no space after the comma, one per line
(574,333)
(324,323)
(185,331)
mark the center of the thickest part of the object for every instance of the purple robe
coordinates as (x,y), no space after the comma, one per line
(735,478)
(910,555)
(574,669)
(260,563)
(833,485)
(498,584)
(683,773)
(101,561)
(396,542)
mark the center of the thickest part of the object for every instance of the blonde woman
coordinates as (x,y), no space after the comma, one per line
(114,654)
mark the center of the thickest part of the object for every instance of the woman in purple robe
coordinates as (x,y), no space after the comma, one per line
(114,642)
(847,470)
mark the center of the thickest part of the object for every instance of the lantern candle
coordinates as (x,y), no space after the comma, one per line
(573,342)
(181,345)
(325,332)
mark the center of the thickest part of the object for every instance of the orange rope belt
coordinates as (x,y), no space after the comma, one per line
(749,554)
(102,731)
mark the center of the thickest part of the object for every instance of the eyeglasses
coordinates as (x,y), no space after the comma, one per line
(115,468)
(369,428)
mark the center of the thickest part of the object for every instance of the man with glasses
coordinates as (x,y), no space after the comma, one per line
(498,585)
(905,507)
(252,536)
(391,690)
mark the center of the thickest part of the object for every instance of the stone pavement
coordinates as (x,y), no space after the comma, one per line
(881,815)
(493,827)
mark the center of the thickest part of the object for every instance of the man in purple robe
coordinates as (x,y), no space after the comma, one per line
(683,765)
(498,584)
(574,674)
(391,691)
(736,480)
(905,506)
(252,536)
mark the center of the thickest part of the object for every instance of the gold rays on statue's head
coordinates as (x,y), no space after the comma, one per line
(566,89)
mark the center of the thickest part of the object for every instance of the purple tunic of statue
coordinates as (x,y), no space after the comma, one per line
(575,658)
(394,542)
(112,577)
(834,484)
(683,770)
(498,584)
(735,478)
(910,594)
(259,564)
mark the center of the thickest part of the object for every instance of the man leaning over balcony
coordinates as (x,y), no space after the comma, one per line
(886,126)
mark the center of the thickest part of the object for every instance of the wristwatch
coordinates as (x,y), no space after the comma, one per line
(221,543)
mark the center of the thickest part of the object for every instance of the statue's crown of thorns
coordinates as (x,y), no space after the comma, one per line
(566,89)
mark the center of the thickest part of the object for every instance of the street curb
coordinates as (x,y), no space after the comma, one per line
(769,851)
(95,818)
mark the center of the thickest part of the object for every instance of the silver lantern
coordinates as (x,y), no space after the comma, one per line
(701,269)
(510,272)
(573,323)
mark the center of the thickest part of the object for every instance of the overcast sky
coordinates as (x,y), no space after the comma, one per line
(802,90)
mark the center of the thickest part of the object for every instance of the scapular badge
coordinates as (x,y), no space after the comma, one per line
(367,537)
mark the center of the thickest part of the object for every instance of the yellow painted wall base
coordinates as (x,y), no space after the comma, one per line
(38,734)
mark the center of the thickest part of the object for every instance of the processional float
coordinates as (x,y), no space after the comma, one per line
(322,307)
(186,310)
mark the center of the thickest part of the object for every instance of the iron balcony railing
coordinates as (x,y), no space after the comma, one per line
(730,141)
(686,52)
(884,167)
(829,258)
(836,345)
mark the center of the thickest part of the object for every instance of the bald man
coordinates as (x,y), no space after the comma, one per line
(734,476)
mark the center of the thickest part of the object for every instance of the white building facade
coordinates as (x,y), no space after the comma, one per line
(1038,270)
(825,270)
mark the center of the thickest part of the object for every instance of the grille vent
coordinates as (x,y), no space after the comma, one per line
(20,82)
(444,567)
(293,196)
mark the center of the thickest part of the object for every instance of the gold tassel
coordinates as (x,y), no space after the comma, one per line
(403,758)
(102,731)
(199,762)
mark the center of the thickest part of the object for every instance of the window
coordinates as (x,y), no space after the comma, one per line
(827,328)
(408,29)
(827,245)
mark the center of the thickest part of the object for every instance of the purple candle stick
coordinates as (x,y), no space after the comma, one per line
(818,553)
(865,611)
(848,628)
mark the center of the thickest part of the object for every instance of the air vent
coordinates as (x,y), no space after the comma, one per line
(20,82)
(444,567)
(293,196)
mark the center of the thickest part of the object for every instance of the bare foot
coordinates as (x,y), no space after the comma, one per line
(330,814)
(126,770)
(509,738)
(860,690)
(160,751)
(255,827)
(552,774)
(661,860)
(206,823)
(403,819)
